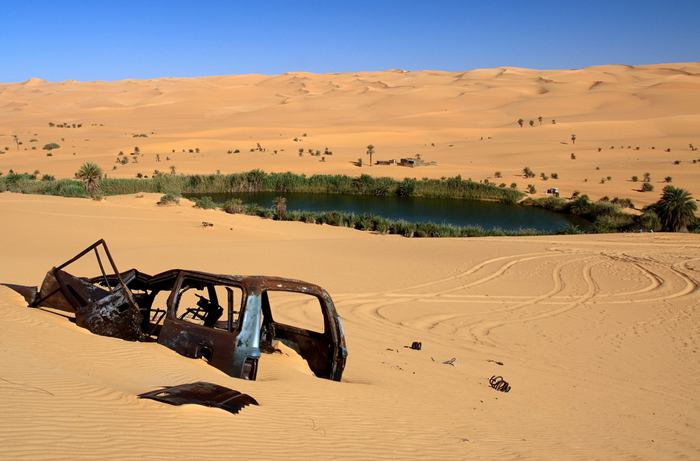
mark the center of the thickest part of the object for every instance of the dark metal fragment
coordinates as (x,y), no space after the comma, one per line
(500,384)
(202,393)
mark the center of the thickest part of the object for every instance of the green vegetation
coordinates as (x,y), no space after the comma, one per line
(169,199)
(676,209)
(90,174)
(280,206)
(50,146)
(205,203)
(528,173)
(259,181)
(605,215)
(670,213)
(647,187)
(234,206)
(674,212)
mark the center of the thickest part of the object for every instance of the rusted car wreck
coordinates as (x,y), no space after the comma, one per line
(227,320)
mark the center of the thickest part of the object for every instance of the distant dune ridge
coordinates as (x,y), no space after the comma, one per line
(465,121)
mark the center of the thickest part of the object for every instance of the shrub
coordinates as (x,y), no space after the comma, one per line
(635,179)
(406,188)
(555,175)
(612,222)
(531,189)
(623,202)
(650,220)
(169,199)
(234,206)
(528,173)
(50,146)
(206,203)
(401,227)
(647,187)
(571,229)
(280,206)
(668,179)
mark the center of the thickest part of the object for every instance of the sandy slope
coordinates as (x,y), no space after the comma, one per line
(466,122)
(598,334)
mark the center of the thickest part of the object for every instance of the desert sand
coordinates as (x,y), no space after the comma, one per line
(597,334)
(466,122)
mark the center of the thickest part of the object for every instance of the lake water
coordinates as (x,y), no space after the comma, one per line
(488,215)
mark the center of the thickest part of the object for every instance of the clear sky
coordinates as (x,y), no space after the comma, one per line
(109,40)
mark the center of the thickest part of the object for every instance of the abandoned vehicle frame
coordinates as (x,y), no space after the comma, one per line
(227,320)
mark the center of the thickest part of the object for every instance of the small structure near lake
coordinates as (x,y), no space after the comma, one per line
(413,162)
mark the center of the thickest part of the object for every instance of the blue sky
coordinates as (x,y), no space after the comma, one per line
(109,40)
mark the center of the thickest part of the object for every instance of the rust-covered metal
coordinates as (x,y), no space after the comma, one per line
(121,304)
(202,393)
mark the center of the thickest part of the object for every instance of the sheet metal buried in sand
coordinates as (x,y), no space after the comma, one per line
(202,393)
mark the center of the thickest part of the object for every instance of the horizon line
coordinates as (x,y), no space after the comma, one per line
(276,74)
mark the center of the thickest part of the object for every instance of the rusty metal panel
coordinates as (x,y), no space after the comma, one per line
(202,393)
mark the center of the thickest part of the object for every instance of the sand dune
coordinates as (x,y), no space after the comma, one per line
(465,121)
(598,336)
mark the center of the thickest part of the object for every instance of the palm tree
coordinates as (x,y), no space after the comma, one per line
(573,139)
(370,152)
(89,173)
(676,209)
(532,123)
(539,119)
(520,122)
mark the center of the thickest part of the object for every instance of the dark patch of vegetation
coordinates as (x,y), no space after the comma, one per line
(169,199)
(234,206)
(259,181)
(675,209)
(90,174)
(205,203)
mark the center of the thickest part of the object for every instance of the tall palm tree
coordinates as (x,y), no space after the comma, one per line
(370,152)
(573,139)
(89,173)
(676,209)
